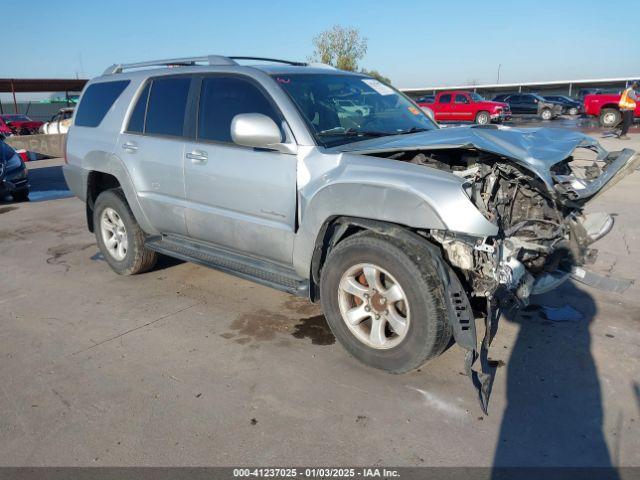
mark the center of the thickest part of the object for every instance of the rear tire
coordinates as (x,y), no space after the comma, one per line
(546,114)
(573,111)
(120,238)
(483,118)
(610,117)
(427,332)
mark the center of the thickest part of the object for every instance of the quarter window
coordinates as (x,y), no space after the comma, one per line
(221,99)
(97,101)
(136,121)
(167,106)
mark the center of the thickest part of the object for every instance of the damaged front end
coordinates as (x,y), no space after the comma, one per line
(543,237)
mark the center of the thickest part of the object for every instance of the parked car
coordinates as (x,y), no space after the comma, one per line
(59,123)
(588,91)
(425,99)
(14,179)
(531,104)
(605,107)
(5,130)
(389,221)
(461,106)
(21,124)
(569,105)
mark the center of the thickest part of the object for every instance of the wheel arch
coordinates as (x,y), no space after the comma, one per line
(338,228)
(109,173)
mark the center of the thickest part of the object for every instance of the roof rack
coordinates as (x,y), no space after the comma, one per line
(274,60)
(210,60)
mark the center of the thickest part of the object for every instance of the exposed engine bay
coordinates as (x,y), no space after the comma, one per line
(543,234)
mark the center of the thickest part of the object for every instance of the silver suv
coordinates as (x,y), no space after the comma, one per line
(404,231)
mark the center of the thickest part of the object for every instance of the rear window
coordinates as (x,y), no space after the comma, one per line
(97,101)
(167,105)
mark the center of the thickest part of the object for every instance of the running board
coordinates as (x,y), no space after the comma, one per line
(259,271)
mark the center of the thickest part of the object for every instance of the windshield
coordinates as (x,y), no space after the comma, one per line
(16,118)
(476,97)
(535,95)
(342,109)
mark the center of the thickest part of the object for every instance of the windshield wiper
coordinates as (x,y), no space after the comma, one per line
(411,130)
(352,132)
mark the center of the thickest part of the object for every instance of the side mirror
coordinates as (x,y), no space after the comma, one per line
(259,131)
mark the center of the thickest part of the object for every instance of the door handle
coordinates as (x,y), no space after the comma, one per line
(197,156)
(130,147)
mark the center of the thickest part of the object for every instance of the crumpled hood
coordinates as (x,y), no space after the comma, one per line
(534,148)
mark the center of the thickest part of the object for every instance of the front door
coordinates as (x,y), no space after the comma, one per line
(240,198)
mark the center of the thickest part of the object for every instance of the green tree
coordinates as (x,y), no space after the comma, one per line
(340,47)
(377,75)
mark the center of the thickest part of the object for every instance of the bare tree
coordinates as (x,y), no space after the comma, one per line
(340,47)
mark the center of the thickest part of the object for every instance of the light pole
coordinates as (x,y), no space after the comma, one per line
(499,66)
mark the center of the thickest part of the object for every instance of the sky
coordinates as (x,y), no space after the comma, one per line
(416,43)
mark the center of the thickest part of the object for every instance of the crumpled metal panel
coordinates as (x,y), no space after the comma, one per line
(534,148)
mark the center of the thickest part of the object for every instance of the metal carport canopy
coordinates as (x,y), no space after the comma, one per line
(18,85)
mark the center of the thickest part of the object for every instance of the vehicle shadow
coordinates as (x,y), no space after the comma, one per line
(47,183)
(554,413)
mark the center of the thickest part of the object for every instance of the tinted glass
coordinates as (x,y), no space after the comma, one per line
(221,99)
(136,121)
(97,101)
(167,105)
(445,99)
(461,99)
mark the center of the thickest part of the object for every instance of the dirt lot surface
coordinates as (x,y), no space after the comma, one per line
(188,366)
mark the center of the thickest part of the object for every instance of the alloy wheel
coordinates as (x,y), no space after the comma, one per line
(373,306)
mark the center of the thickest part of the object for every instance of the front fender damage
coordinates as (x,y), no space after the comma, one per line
(543,237)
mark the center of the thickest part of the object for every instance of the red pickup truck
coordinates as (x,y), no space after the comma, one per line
(459,106)
(605,107)
(21,124)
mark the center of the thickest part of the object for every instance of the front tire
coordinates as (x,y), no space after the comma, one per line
(483,118)
(610,117)
(385,302)
(120,238)
(573,111)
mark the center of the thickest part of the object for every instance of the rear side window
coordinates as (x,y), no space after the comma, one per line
(446,98)
(167,106)
(136,121)
(221,99)
(97,101)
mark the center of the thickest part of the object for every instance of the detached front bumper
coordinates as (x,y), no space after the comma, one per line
(617,166)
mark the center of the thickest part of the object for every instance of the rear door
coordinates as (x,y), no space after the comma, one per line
(515,103)
(238,197)
(443,109)
(153,148)
(462,109)
(529,104)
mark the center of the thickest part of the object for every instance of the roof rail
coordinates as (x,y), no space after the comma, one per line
(186,61)
(274,60)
